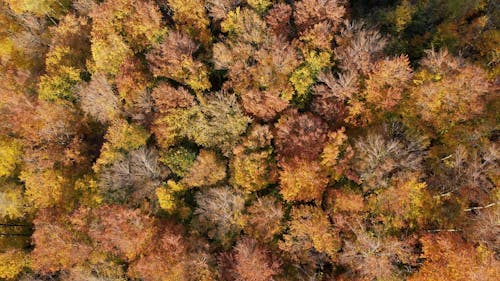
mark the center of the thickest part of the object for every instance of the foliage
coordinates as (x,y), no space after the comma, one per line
(448,256)
(10,154)
(220,212)
(247,140)
(310,230)
(249,261)
(207,169)
(173,58)
(12,263)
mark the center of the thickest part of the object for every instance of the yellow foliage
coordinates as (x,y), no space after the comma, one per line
(403,15)
(123,136)
(59,84)
(108,53)
(198,79)
(310,229)
(252,171)
(168,197)
(10,154)
(191,17)
(260,5)
(333,148)
(403,204)
(230,24)
(12,263)
(38,7)
(302,181)
(304,77)
(11,202)
(61,75)
(89,191)
(44,189)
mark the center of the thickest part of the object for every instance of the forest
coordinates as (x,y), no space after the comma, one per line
(249,140)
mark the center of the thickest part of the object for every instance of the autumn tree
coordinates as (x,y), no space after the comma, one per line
(299,142)
(447,90)
(98,100)
(116,229)
(311,238)
(10,155)
(449,256)
(165,259)
(174,59)
(220,213)
(57,246)
(377,158)
(12,264)
(265,219)
(249,261)
(207,169)
(12,201)
(267,62)
(403,204)
(191,17)
(252,166)
(65,60)
(371,256)
(132,82)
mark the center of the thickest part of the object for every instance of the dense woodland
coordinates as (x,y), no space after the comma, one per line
(249,140)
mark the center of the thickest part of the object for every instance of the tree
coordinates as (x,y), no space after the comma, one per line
(109,51)
(302,180)
(221,124)
(311,238)
(387,81)
(447,90)
(252,167)
(179,159)
(121,137)
(132,82)
(57,246)
(65,60)
(300,135)
(116,229)
(278,19)
(220,212)
(11,201)
(377,158)
(311,12)
(132,178)
(249,261)
(98,100)
(207,169)
(218,9)
(137,21)
(190,17)
(46,188)
(173,58)
(264,219)
(39,8)
(402,205)
(448,256)
(336,156)
(165,259)
(358,47)
(372,256)
(12,263)
(10,154)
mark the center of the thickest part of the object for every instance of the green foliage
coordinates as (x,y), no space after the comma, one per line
(179,159)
